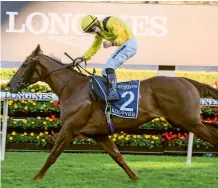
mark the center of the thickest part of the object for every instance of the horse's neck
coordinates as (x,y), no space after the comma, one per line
(57,80)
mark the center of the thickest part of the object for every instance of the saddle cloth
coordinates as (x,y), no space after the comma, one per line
(127,105)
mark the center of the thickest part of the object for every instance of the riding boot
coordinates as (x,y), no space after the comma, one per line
(112,93)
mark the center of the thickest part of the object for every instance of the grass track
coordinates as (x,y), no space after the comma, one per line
(100,171)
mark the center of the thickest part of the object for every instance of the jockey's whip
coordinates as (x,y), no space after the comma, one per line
(77,66)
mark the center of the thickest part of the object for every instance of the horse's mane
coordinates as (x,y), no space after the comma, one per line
(58,60)
(52,56)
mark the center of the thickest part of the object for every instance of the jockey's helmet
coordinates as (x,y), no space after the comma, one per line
(87,22)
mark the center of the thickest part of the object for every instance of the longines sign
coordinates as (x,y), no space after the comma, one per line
(166,34)
(209,102)
(29,96)
(154,26)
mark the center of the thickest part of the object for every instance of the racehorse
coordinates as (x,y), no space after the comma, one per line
(176,99)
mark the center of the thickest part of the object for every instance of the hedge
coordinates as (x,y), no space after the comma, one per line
(121,139)
(44,130)
(126,74)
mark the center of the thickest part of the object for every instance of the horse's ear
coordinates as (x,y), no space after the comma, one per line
(36,51)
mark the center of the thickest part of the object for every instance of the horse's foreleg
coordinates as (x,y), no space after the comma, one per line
(113,151)
(62,141)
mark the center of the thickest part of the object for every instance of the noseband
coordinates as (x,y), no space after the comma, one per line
(23,80)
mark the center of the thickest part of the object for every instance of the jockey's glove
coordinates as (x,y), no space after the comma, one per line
(107,44)
(79,60)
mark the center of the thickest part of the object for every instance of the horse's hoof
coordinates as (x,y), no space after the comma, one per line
(134,178)
(37,178)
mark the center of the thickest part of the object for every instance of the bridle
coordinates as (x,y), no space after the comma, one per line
(24,81)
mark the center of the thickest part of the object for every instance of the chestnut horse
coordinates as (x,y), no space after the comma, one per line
(176,99)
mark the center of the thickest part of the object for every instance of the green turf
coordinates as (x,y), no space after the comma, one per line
(99,171)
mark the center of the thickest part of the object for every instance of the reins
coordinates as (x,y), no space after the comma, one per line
(73,65)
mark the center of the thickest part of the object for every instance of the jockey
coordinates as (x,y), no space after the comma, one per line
(116,33)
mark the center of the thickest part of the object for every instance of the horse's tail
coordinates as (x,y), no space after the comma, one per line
(204,89)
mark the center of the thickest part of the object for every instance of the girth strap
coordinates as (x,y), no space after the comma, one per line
(109,121)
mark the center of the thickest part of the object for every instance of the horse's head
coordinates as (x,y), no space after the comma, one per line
(27,73)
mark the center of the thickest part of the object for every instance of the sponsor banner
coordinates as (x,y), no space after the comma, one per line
(166,34)
(209,102)
(29,96)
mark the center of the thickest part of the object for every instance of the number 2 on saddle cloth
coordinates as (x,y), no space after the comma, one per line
(125,107)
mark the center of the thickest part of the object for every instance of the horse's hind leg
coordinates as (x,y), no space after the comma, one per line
(113,151)
(213,130)
(204,133)
(62,141)
(200,130)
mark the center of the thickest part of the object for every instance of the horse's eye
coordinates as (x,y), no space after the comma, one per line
(24,65)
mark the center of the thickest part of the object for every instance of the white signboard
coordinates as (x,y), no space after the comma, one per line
(29,96)
(209,102)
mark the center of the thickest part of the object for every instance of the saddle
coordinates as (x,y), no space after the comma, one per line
(125,107)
